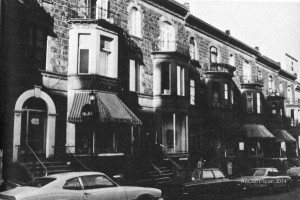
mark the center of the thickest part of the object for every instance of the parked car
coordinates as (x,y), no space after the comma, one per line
(198,181)
(79,186)
(294,173)
(259,179)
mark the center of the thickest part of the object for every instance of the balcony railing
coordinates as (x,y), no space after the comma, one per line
(293,101)
(272,92)
(251,80)
(170,46)
(219,67)
(88,12)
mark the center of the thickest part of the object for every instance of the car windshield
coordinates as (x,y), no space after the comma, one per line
(255,172)
(294,170)
(39,182)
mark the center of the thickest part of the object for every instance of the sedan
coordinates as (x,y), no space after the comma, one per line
(294,173)
(79,186)
(268,179)
(199,181)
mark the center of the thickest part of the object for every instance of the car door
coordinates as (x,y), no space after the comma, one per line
(208,180)
(99,187)
(72,189)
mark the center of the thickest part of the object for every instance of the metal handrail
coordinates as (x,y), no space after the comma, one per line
(38,159)
(170,159)
(77,159)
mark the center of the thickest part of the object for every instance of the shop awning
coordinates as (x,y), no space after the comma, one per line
(257,131)
(283,136)
(110,107)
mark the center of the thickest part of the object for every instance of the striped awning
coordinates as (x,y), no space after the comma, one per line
(283,136)
(110,108)
(257,131)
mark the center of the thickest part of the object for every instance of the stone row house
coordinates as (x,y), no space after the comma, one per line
(120,80)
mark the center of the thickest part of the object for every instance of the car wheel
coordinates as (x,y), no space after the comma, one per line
(271,189)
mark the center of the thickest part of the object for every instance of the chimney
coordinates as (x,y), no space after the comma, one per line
(187,5)
(227,32)
(257,48)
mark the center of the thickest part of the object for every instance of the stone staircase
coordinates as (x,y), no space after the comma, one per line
(160,174)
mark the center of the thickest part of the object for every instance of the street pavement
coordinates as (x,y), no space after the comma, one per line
(278,195)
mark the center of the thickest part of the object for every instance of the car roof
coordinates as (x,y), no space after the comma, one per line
(264,168)
(67,175)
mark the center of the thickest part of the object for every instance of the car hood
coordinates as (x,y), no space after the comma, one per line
(133,192)
(23,191)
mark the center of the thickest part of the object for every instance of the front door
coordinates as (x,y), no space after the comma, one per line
(33,130)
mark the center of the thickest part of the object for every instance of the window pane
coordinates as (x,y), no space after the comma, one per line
(165,78)
(192,92)
(207,174)
(249,97)
(218,174)
(72,184)
(93,182)
(84,61)
(132,76)
(258,103)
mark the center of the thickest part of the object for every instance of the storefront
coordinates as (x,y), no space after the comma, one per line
(108,129)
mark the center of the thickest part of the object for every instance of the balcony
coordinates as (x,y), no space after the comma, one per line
(91,13)
(253,80)
(219,69)
(293,101)
(170,46)
(274,93)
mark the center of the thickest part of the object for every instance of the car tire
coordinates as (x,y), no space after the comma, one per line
(270,189)
(145,197)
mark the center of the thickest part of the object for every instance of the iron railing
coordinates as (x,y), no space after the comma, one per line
(76,159)
(272,92)
(251,80)
(26,149)
(219,67)
(170,46)
(88,12)
(294,101)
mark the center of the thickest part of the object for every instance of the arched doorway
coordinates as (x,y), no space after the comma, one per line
(33,128)
(34,123)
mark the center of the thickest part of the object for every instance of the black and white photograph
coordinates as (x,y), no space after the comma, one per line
(149,99)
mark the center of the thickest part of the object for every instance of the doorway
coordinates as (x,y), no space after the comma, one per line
(33,129)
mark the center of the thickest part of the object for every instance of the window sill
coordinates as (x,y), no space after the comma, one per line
(136,37)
